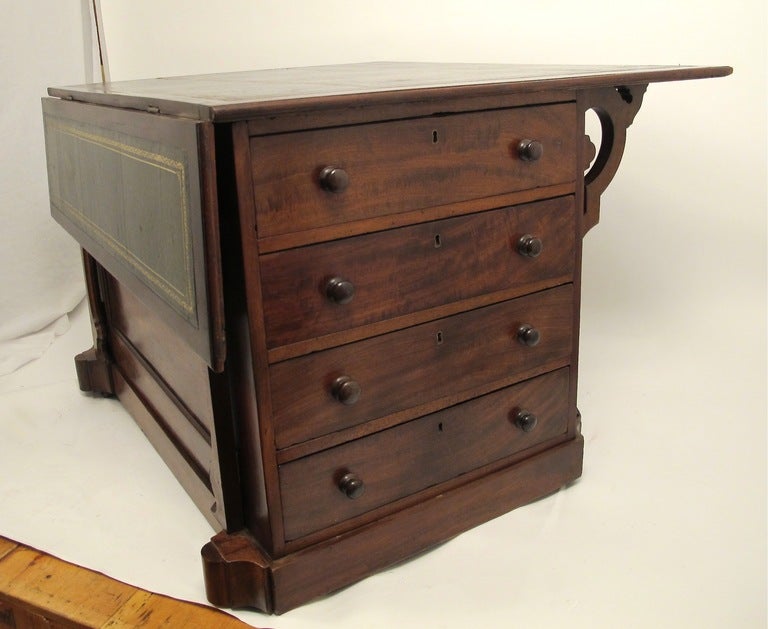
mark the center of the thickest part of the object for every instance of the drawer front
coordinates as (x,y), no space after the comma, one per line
(341,387)
(405,165)
(421,453)
(404,270)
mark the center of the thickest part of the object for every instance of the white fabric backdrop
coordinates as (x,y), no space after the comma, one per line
(42,43)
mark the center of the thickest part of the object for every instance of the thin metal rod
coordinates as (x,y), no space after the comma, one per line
(102,64)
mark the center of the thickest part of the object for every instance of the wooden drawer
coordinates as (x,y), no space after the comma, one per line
(406,165)
(435,448)
(402,370)
(404,270)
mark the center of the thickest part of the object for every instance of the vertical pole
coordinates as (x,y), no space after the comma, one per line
(103,64)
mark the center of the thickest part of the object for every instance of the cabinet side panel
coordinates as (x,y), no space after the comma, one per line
(180,368)
(166,388)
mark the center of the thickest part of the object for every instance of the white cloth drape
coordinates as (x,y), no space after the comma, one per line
(42,43)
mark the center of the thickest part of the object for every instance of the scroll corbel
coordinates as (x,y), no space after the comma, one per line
(616,108)
(94,366)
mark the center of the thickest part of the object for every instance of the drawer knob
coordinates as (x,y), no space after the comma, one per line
(334,179)
(339,290)
(529,246)
(525,420)
(346,390)
(528,335)
(352,486)
(530,150)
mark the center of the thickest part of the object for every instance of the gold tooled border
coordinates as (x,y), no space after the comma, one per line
(184,299)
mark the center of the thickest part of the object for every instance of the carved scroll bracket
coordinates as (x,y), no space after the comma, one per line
(616,108)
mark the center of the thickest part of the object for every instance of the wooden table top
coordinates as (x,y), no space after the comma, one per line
(235,95)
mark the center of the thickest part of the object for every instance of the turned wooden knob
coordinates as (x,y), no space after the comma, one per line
(529,246)
(346,390)
(525,420)
(339,290)
(528,335)
(334,179)
(352,486)
(530,150)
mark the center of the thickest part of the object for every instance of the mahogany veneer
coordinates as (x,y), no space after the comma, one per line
(342,302)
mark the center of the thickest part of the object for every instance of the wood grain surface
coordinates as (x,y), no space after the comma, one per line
(395,167)
(405,370)
(401,271)
(408,458)
(238,95)
(39,591)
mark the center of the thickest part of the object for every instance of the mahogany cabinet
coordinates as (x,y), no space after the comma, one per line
(342,302)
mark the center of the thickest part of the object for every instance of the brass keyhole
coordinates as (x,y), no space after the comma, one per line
(438,241)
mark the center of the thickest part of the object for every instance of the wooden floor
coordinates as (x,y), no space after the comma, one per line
(38,590)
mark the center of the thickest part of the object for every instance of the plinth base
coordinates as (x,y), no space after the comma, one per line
(238,573)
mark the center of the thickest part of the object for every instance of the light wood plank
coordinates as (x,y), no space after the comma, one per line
(43,583)
(6,546)
(145,609)
(38,590)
